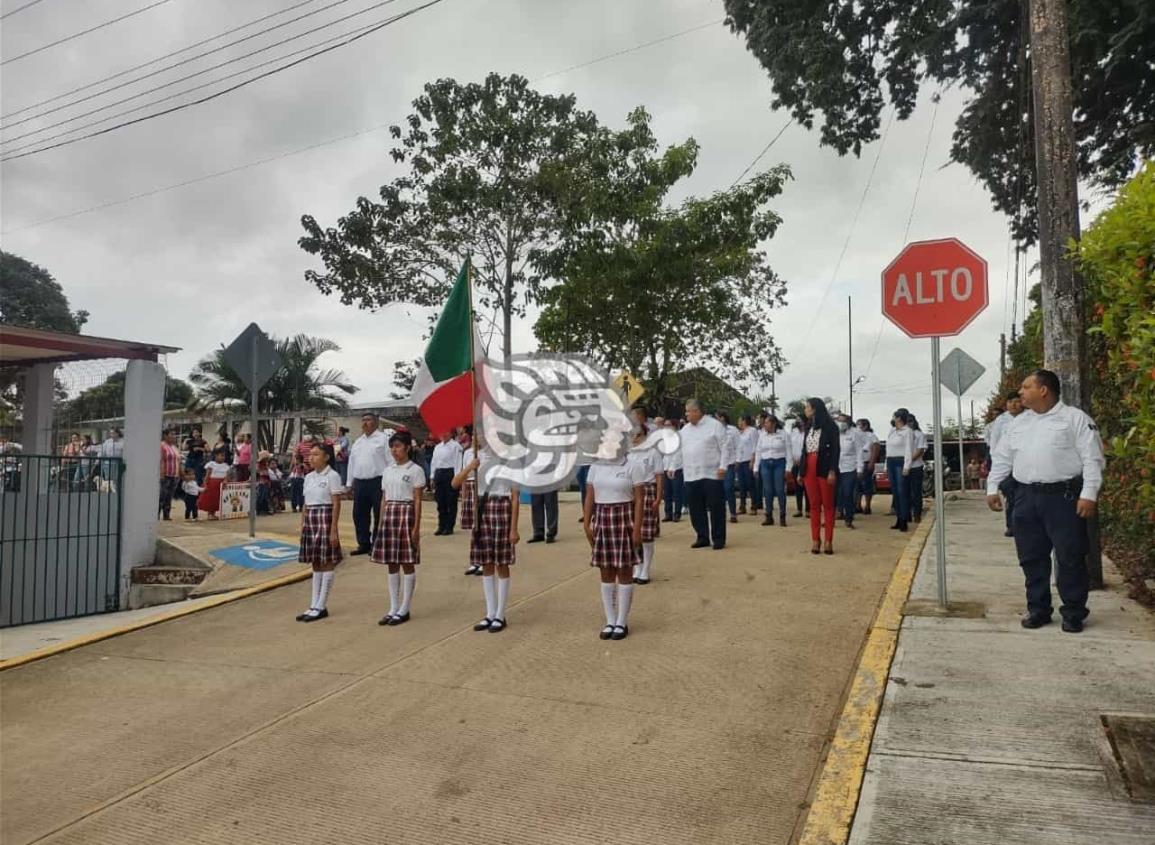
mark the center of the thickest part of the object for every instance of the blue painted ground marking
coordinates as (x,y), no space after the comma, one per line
(257,554)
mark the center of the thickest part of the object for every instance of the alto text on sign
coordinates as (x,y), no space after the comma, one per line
(934,288)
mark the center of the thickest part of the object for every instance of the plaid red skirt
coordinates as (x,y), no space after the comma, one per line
(315,548)
(489,543)
(650,525)
(468,504)
(613,526)
(393,542)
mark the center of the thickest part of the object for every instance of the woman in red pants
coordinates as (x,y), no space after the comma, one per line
(820,471)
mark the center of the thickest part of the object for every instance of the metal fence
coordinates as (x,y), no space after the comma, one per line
(60,522)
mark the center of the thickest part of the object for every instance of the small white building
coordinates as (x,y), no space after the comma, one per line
(68,550)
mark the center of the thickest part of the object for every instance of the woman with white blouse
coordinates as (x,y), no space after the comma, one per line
(773,458)
(918,444)
(320,543)
(899,455)
(613,512)
(397,542)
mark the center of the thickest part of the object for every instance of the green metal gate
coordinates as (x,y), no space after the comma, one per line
(60,523)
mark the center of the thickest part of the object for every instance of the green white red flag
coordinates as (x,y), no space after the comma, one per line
(444,389)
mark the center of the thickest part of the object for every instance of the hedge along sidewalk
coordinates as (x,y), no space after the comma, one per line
(836,796)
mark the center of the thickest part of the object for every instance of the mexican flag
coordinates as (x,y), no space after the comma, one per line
(443,390)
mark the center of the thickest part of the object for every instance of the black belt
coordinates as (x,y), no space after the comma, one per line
(1071,485)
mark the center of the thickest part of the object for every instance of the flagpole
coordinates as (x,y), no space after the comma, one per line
(472,360)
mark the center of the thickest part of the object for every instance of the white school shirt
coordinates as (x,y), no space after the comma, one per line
(899,445)
(321,487)
(369,455)
(733,436)
(489,484)
(216,470)
(774,446)
(649,459)
(614,483)
(1045,448)
(849,455)
(997,429)
(400,480)
(797,439)
(747,444)
(867,439)
(917,441)
(703,449)
(446,455)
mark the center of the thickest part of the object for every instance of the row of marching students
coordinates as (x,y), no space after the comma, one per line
(621,519)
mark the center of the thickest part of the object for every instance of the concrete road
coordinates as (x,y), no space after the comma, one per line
(237,724)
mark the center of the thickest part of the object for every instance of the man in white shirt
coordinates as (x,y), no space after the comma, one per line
(368,457)
(674,490)
(796,442)
(445,463)
(849,468)
(747,442)
(1054,453)
(703,468)
(993,435)
(870,450)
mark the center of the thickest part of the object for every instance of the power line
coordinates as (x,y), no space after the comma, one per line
(76,35)
(235,169)
(853,224)
(230,89)
(633,49)
(193,46)
(765,150)
(208,84)
(18,9)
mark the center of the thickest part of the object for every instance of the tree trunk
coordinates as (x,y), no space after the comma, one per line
(1064,324)
(507,298)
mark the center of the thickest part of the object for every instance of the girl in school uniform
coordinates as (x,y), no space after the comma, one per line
(649,462)
(216,473)
(491,545)
(320,543)
(613,513)
(468,493)
(397,543)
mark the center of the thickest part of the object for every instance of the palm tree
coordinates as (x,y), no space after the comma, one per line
(299,385)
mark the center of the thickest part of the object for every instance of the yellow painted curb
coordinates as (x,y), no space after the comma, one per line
(836,797)
(89,639)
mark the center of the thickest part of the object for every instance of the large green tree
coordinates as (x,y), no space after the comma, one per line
(474,155)
(30,297)
(850,59)
(107,399)
(653,287)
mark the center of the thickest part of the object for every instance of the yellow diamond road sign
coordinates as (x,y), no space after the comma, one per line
(630,386)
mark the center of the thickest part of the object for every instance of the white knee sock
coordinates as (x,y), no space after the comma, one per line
(326,586)
(502,598)
(647,559)
(625,594)
(394,592)
(316,590)
(608,602)
(409,583)
(490,596)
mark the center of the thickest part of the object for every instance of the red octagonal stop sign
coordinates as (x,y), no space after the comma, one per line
(934,288)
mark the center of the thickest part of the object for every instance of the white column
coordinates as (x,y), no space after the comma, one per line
(143,417)
(38,395)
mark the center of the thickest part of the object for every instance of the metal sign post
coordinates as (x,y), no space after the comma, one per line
(939,505)
(958,397)
(255,445)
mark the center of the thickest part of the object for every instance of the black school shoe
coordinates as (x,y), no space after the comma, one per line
(399,619)
(483,625)
(536,540)
(496,626)
(620,632)
(1032,621)
(1073,626)
(309,617)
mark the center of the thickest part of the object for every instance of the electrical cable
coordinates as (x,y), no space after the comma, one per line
(635,48)
(17,155)
(193,46)
(765,150)
(19,9)
(237,168)
(76,35)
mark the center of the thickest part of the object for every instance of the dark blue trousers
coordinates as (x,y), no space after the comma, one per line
(773,473)
(674,495)
(745,483)
(1007,488)
(899,491)
(845,496)
(914,488)
(1046,522)
(366,509)
(707,505)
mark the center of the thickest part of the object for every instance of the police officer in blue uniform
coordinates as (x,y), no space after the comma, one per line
(1055,456)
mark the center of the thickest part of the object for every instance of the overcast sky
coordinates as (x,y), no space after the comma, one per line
(192,266)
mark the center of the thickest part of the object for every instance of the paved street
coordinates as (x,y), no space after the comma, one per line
(237,724)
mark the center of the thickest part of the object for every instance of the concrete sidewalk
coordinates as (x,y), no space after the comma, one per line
(993,735)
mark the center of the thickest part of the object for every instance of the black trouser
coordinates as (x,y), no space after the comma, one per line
(190,505)
(543,510)
(169,485)
(800,488)
(1046,521)
(1008,488)
(366,509)
(707,504)
(446,498)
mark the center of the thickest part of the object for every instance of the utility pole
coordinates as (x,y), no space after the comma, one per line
(850,356)
(1064,329)
(1002,359)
